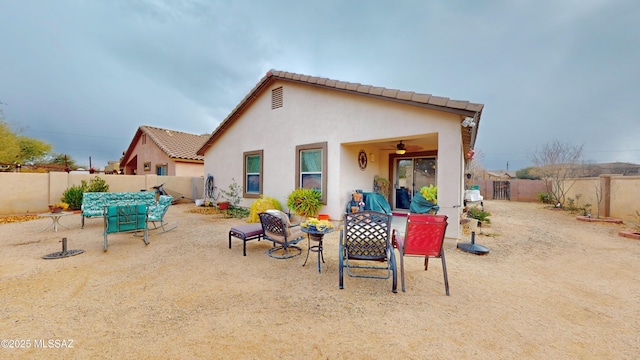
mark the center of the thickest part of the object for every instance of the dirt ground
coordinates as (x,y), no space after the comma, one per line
(551,287)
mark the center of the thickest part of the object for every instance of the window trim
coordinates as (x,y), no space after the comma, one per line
(315,146)
(245,155)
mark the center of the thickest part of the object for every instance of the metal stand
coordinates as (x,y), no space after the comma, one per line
(64,253)
(472,247)
(316,248)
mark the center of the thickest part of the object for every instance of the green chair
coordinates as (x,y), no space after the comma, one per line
(125,218)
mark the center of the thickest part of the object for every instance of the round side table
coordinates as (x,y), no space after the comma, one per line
(316,236)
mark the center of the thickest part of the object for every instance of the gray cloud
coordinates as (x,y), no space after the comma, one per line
(84,75)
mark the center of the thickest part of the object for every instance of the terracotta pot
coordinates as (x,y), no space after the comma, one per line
(223,205)
(55,209)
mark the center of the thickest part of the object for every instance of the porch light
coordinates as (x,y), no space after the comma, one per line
(401,148)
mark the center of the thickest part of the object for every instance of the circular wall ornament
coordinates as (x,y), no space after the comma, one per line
(362,159)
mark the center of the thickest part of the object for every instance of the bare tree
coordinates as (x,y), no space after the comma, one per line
(557,163)
(598,190)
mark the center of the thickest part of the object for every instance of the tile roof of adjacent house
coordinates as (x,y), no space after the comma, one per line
(461,107)
(176,144)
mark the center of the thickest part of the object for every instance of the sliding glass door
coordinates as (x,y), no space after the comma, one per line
(412,173)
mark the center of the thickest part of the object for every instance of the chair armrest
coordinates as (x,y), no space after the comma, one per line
(397,241)
(293,225)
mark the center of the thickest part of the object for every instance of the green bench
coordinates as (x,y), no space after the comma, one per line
(93,203)
(125,218)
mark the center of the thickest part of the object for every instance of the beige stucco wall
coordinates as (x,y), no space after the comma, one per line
(33,192)
(188,168)
(583,191)
(625,197)
(347,122)
(623,200)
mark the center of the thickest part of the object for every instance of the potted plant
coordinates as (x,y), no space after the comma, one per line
(304,202)
(425,201)
(60,206)
(381,185)
(224,205)
(479,214)
(232,195)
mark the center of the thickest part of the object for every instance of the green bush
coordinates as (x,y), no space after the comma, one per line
(97,184)
(545,198)
(479,214)
(73,196)
(304,202)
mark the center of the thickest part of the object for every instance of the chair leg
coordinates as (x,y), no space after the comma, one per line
(444,271)
(341,263)
(426,263)
(394,269)
(402,272)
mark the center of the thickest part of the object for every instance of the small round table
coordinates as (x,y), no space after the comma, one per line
(318,236)
(56,219)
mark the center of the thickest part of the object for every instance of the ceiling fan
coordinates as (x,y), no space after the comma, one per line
(401,148)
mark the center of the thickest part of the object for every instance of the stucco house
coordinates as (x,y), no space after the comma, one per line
(294,130)
(164,152)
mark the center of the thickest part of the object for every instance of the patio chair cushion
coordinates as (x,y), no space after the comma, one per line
(285,219)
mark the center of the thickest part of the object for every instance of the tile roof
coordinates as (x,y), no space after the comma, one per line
(461,107)
(176,144)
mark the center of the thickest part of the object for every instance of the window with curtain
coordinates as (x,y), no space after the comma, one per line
(311,168)
(252,174)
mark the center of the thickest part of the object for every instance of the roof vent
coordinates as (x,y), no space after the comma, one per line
(276,98)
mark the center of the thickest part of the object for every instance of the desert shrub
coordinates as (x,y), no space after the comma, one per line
(73,196)
(97,184)
(479,214)
(262,204)
(237,212)
(545,198)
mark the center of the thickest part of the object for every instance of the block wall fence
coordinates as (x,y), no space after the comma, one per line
(24,193)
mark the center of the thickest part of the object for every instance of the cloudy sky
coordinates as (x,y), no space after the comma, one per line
(82,75)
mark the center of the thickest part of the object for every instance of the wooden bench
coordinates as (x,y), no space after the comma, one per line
(246,233)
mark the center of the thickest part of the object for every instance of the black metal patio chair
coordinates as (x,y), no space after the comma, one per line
(277,229)
(366,238)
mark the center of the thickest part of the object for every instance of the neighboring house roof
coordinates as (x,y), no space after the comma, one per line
(177,145)
(461,107)
(501,174)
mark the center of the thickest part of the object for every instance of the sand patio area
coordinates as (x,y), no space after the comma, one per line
(551,287)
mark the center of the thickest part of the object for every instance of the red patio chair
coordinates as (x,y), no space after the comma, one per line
(424,236)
